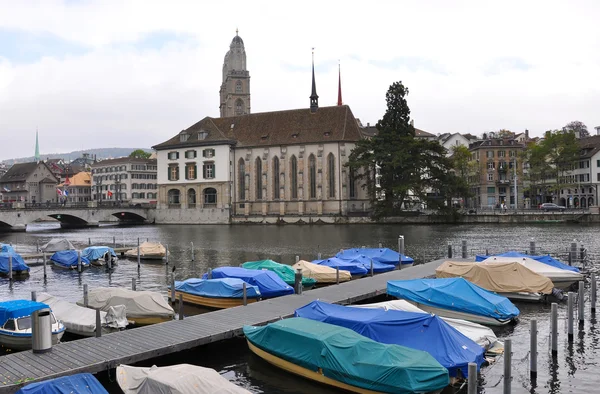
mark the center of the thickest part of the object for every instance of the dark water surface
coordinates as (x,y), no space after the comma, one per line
(575,369)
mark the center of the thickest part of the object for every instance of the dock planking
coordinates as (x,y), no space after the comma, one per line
(130,346)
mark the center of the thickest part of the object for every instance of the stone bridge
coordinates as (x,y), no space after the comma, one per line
(17,219)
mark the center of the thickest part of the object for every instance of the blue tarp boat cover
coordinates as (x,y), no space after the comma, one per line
(365,262)
(81,383)
(68,258)
(18,308)
(217,288)
(345,265)
(421,331)
(97,252)
(546,259)
(18,264)
(381,255)
(268,283)
(6,248)
(343,355)
(456,294)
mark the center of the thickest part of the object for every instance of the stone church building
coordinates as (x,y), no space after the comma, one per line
(283,165)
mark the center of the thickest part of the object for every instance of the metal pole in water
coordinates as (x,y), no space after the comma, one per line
(192,246)
(180,306)
(319,256)
(298,281)
(133,284)
(209,275)
(114,242)
(533,350)
(581,253)
(507,365)
(449,249)
(109,263)
(400,250)
(371,271)
(98,324)
(581,303)
(337,275)
(297,258)
(464,248)
(167,255)
(79,261)
(33,296)
(553,329)
(85,295)
(472,380)
(570,259)
(593,294)
(89,242)
(574,251)
(44,259)
(532,247)
(138,253)
(172,288)
(37,246)
(380,245)
(570,300)
(244,294)
(10,267)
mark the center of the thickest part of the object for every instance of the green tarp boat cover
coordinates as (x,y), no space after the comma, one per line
(348,357)
(285,272)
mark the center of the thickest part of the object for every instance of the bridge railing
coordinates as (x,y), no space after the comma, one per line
(9,206)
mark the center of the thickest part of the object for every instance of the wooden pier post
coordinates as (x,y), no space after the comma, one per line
(533,351)
(449,249)
(371,270)
(532,247)
(167,254)
(86,301)
(173,288)
(209,274)
(472,379)
(180,306)
(593,294)
(79,261)
(380,245)
(10,267)
(192,246)
(464,248)
(89,242)
(570,300)
(244,294)
(114,242)
(581,303)
(553,329)
(297,258)
(400,250)
(98,324)
(337,275)
(507,365)
(44,261)
(319,256)
(33,296)
(574,251)
(138,254)
(298,282)
(133,284)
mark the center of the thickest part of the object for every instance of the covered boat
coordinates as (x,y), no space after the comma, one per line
(561,278)
(174,379)
(216,293)
(6,248)
(321,273)
(148,251)
(340,357)
(80,383)
(99,255)
(269,284)
(82,321)
(15,324)
(546,259)
(68,259)
(356,270)
(19,268)
(366,263)
(510,279)
(457,298)
(56,245)
(381,255)
(284,271)
(142,307)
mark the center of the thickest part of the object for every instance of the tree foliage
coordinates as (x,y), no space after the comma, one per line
(577,127)
(140,154)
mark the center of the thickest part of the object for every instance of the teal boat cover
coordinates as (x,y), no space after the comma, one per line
(81,383)
(18,308)
(284,271)
(18,264)
(343,355)
(217,288)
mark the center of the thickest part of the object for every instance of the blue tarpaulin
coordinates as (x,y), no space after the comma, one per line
(68,258)
(420,331)
(18,264)
(6,248)
(355,269)
(381,255)
(97,252)
(81,383)
(268,283)
(217,288)
(365,262)
(18,308)
(546,259)
(455,294)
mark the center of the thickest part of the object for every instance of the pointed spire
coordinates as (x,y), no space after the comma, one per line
(339,84)
(37,146)
(314,99)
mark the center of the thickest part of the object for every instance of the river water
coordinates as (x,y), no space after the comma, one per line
(219,245)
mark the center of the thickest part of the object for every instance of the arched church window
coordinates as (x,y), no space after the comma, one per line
(331,173)
(239,107)
(312,176)
(238,87)
(259,184)
(294,177)
(276,178)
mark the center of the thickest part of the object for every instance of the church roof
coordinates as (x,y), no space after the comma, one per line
(20,171)
(290,127)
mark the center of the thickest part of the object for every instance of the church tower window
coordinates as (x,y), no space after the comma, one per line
(238,87)
(312,176)
(239,107)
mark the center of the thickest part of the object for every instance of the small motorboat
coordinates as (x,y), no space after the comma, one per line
(69,259)
(142,307)
(217,293)
(456,298)
(419,331)
(355,269)
(80,383)
(339,357)
(19,268)
(368,262)
(179,379)
(381,255)
(6,248)
(15,323)
(323,274)
(56,245)
(100,255)
(148,251)
(269,284)
(546,259)
(285,272)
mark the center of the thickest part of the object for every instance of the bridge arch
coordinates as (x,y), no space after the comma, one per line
(129,217)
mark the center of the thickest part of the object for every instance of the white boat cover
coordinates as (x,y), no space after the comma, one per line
(321,273)
(137,303)
(56,245)
(555,274)
(175,379)
(83,320)
(148,250)
(479,334)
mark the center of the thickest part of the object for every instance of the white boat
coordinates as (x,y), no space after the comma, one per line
(148,251)
(81,321)
(175,379)
(15,323)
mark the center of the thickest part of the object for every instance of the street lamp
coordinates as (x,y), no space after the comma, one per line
(100,189)
(118,188)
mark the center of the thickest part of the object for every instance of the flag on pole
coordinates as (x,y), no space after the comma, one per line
(66,193)
(6,189)
(109,193)
(60,193)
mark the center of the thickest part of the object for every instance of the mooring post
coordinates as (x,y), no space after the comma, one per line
(167,254)
(532,247)
(180,306)
(371,270)
(44,260)
(298,281)
(593,294)
(244,294)
(380,245)
(209,274)
(574,251)
(114,242)
(98,324)
(570,301)
(449,249)
(109,263)
(319,256)
(464,248)
(79,261)
(472,379)
(37,246)
(533,350)
(337,275)
(172,288)
(89,242)
(138,254)
(553,329)
(192,246)
(400,250)
(133,284)
(581,303)
(570,259)
(85,295)
(487,253)
(10,267)
(507,365)
(297,258)
(33,296)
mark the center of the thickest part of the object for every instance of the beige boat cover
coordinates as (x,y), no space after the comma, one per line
(320,273)
(148,249)
(137,303)
(554,273)
(175,379)
(509,277)
(56,245)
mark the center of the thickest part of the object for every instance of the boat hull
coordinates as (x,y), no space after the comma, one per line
(212,302)
(488,321)
(148,320)
(24,342)
(16,274)
(521,296)
(146,257)
(72,267)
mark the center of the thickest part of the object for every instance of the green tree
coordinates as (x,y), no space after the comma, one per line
(578,127)
(504,133)
(140,154)
(463,168)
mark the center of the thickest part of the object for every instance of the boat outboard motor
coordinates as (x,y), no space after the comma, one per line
(106,257)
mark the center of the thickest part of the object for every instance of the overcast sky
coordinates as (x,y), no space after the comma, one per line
(129,73)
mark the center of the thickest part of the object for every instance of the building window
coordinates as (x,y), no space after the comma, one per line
(312,176)
(352,182)
(208,153)
(331,173)
(276,178)
(202,135)
(501,153)
(491,165)
(210,196)
(294,177)
(190,154)
(242,177)
(173,196)
(490,177)
(173,155)
(238,87)
(259,185)
(173,174)
(239,107)
(491,190)
(191,198)
(208,170)
(190,171)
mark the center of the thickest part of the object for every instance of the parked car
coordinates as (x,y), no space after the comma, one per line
(551,207)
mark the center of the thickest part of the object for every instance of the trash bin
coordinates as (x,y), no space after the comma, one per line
(41,330)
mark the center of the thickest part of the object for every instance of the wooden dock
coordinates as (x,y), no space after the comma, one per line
(131,346)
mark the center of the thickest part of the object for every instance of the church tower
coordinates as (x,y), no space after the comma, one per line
(235,89)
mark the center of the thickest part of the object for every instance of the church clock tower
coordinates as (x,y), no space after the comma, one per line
(235,89)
